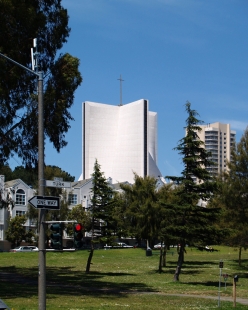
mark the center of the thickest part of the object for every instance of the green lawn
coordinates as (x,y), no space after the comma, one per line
(125,278)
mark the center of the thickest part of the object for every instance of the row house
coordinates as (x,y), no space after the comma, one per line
(14,202)
(80,192)
(18,193)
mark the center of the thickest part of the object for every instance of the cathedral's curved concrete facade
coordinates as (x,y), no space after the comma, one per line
(122,138)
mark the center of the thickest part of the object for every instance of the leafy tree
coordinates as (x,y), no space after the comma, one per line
(101,210)
(190,223)
(29,175)
(141,208)
(141,213)
(26,174)
(166,197)
(78,214)
(21,21)
(7,172)
(120,222)
(16,231)
(233,197)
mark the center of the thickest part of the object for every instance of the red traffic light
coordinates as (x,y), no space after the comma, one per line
(78,227)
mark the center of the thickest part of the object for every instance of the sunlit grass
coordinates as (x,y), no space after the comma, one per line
(123,278)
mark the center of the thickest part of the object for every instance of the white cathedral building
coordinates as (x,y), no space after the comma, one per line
(122,138)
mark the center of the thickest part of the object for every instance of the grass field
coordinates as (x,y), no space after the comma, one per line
(123,278)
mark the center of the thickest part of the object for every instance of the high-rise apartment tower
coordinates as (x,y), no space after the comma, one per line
(218,139)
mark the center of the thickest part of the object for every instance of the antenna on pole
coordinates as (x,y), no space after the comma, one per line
(32,58)
(121,80)
(34,55)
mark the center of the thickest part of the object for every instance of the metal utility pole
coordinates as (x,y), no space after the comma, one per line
(41,224)
(121,80)
(41,191)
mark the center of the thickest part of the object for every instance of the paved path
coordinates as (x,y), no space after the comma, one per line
(242,301)
(17,278)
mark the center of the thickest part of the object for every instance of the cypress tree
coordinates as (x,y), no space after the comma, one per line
(190,223)
(101,210)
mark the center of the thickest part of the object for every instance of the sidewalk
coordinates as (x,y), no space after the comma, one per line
(242,301)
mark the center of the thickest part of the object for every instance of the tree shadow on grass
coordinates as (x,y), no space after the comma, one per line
(207,283)
(66,281)
(189,268)
(196,264)
(171,271)
(244,264)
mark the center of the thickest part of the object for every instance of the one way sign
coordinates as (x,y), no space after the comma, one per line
(45,202)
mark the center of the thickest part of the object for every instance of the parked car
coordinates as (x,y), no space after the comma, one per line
(30,248)
(158,246)
(34,248)
(108,247)
(123,245)
(118,245)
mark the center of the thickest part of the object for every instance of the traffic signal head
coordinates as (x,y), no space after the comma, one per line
(78,235)
(56,236)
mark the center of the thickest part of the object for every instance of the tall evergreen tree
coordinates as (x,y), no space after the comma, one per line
(101,209)
(190,222)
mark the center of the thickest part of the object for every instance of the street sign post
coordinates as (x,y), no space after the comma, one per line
(45,202)
(57,183)
(58,179)
(225,276)
(221,265)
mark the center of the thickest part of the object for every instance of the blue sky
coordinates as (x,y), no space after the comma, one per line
(167,51)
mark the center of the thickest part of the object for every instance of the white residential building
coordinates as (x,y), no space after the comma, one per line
(79,193)
(19,192)
(218,139)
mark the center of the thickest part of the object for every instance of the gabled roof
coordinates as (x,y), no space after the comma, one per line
(79,184)
(117,187)
(14,183)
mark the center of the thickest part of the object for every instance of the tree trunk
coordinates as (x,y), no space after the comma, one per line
(92,246)
(240,250)
(164,257)
(160,260)
(179,263)
(89,260)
